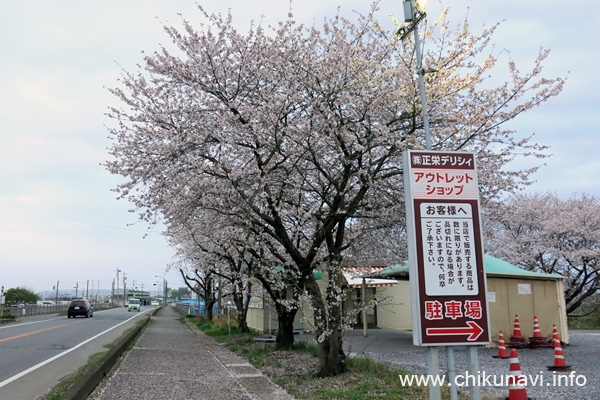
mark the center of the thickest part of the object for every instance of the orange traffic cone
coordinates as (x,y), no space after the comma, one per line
(517,341)
(537,341)
(516,390)
(536,327)
(502,353)
(517,328)
(554,334)
(559,358)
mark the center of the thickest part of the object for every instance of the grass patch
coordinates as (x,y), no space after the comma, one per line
(218,328)
(368,379)
(308,347)
(7,316)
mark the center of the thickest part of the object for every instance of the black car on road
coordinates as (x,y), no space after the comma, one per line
(80,307)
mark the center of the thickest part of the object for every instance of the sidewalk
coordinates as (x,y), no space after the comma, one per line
(174,361)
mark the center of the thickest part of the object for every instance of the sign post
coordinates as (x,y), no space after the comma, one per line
(447,275)
(2,302)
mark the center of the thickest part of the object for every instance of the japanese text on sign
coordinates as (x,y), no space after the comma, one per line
(448,246)
(453,309)
(445,161)
(453,184)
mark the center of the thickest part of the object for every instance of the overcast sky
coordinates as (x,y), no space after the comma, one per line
(59,220)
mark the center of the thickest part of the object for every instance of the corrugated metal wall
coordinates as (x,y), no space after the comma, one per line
(506,298)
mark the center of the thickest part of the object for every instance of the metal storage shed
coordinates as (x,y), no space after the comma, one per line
(511,291)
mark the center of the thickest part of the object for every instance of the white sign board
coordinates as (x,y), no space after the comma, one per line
(448,285)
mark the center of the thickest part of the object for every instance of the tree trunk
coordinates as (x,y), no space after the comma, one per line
(332,359)
(242,323)
(285,327)
(209,308)
(241,302)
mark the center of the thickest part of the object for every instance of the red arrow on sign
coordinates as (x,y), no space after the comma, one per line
(474,331)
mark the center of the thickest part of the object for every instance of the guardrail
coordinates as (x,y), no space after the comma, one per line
(186,309)
(191,309)
(27,310)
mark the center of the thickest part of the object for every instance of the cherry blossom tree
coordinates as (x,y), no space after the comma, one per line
(212,245)
(230,254)
(296,134)
(540,232)
(203,284)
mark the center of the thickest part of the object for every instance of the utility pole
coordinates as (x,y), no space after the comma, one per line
(112,293)
(87,290)
(124,288)
(76,289)
(164,289)
(165,298)
(117,294)
(56,292)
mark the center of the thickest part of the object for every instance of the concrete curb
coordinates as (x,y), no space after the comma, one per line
(82,389)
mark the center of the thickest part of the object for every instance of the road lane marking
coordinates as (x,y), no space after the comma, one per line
(34,332)
(64,353)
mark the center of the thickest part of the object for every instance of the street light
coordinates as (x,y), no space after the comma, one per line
(413,14)
(164,289)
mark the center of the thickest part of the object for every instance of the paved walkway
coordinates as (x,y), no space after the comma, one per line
(171,361)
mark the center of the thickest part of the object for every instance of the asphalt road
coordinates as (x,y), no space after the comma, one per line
(39,351)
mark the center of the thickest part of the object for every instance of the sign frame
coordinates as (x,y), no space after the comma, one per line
(447,273)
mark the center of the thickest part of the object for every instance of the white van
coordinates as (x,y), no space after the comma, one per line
(135,305)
